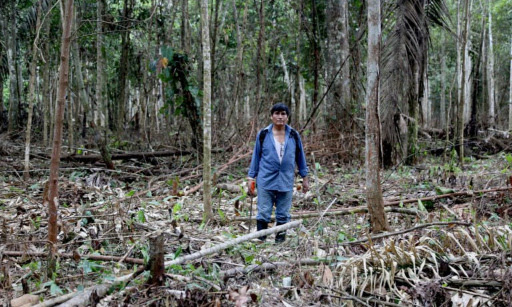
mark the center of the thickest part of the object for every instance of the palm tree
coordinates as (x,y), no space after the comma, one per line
(404,64)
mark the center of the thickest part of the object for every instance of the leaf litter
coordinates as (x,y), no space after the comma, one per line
(106,218)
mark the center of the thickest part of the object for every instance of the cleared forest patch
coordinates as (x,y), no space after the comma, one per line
(450,241)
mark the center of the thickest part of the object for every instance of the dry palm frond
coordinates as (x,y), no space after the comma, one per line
(417,270)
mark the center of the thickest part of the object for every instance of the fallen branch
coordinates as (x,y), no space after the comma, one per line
(67,255)
(57,300)
(390,234)
(82,299)
(223,246)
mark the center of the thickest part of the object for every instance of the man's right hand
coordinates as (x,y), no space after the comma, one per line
(251,191)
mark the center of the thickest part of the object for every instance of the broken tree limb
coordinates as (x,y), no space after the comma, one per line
(360,209)
(390,234)
(57,300)
(82,299)
(68,255)
(223,246)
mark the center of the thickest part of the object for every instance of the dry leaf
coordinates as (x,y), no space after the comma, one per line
(327,277)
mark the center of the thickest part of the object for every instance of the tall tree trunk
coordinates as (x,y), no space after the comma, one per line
(185,28)
(316,56)
(490,72)
(374,198)
(510,90)
(462,92)
(123,67)
(338,68)
(239,74)
(259,60)
(207,113)
(32,97)
(101,110)
(46,85)
(11,64)
(81,92)
(53,183)
(443,114)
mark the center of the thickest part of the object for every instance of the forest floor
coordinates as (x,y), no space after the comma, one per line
(449,241)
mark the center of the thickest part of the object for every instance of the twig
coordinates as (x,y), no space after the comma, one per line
(323,213)
(390,234)
(223,246)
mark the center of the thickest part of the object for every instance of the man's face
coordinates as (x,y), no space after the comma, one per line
(279,118)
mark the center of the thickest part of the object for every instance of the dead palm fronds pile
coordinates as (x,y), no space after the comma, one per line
(452,267)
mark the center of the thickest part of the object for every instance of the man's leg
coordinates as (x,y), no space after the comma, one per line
(265,204)
(283,205)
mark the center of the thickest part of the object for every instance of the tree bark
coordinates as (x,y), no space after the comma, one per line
(375,201)
(11,64)
(57,137)
(101,110)
(510,90)
(462,92)
(490,73)
(207,113)
(123,67)
(32,97)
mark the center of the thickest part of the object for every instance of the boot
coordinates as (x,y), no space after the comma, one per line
(261,225)
(280,236)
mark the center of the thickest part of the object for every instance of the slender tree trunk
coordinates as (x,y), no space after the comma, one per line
(296,116)
(11,64)
(510,90)
(316,56)
(123,67)
(46,84)
(374,198)
(32,97)
(101,110)
(443,114)
(239,75)
(207,115)
(490,72)
(185,28)
(259,58)
(53,183)
(462,98)
(81,91)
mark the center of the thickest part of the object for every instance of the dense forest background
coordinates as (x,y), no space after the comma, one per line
(136,71)
(155,106)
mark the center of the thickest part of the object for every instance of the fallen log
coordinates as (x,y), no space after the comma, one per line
(223,246)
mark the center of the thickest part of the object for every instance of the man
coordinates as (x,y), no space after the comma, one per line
(277,150)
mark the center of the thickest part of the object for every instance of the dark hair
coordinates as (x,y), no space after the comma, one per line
(280,107)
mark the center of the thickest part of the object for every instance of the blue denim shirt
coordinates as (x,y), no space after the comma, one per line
(265,167)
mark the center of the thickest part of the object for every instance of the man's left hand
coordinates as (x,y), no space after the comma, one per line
(305,184)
